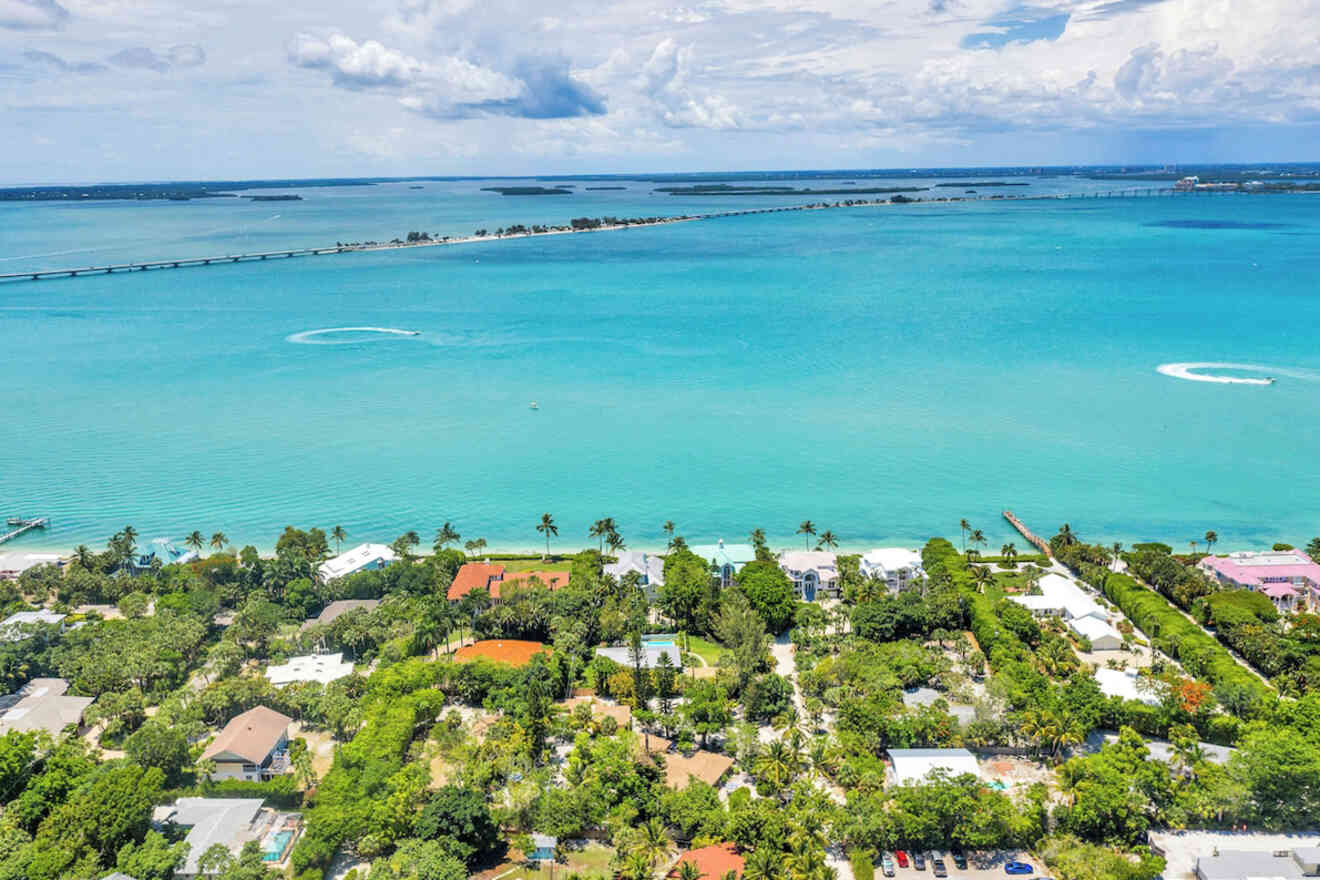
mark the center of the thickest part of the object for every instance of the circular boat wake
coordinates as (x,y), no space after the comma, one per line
(1194,372)
(327,335)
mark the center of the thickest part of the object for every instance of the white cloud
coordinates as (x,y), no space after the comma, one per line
(31,15)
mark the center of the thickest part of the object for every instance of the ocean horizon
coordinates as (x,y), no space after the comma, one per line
(883,371)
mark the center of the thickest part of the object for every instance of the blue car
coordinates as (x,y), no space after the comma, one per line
(1016,867)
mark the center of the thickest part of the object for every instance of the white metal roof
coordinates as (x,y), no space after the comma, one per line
(1121,683)
(892,558)
(359,557)
(1094,629)
(914,765)
(324,668)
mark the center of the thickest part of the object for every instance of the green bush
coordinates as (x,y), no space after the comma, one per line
(282,791)
(863,864)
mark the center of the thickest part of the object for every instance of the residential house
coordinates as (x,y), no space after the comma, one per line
(1279,864)
(709,767)
(649,568)
(19,626)
(253,746)
(726,559)
(712,862)
(496,581)
(651,654)
(323,668)
(1123,684)
(364,557)
(1101,635)
(230,822)
(42,704)
(915,765)
(1289,577)
(898,567)
(812,572)
(1060,597)
(337,609)
(514,652)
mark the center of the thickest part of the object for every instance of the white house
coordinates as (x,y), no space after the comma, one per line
(896,566)
(230,822)
(1060,597)
(649,567)
(324,668)
(15,627)
(1121,683)
(253,746)
(914,765)
(364,557)
(812,572)
(1101,635)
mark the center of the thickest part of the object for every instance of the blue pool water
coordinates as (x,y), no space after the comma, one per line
(884,372)
(653,643)
(275,846)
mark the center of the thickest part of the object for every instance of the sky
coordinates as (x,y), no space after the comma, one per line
(102,90)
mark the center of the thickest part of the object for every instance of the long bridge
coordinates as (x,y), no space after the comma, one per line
(79,272)
(38,274)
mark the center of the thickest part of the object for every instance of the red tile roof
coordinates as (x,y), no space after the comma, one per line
(553,579)
(511,651)
(712,861)
(475,576)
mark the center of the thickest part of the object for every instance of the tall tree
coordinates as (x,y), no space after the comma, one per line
(548,528)
(195,541)
(475,546)
(444,536)
(339,535)
(827,539)
(966,527)
(807,528)
(218,541)
(1211,538)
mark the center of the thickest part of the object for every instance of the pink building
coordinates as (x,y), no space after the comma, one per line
(1288,577)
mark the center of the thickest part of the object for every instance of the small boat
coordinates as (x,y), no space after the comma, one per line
(413,332)
(533,405)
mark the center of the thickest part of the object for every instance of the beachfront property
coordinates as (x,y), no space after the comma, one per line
(161,552)
(14,564)
(1123,684)
(898,567)
(915,765)
(42,704)
(364,557)
(649,567)
(653,648)
(1061,597)
(812,572)
(1278,864)
(322,668)
(230,822)
(1290,578)
(726,560)
(253,746)
(494,579)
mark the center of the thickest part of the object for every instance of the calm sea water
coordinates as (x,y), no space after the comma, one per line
(881,371)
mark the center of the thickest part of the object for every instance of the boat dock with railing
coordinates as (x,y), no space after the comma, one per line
(22,525)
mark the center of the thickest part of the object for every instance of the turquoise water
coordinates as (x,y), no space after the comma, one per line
(654,643)
(884,372)
(275,846)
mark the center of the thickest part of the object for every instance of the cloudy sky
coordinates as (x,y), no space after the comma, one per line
(152,89)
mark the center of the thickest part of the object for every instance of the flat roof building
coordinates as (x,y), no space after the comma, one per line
(364,557)
(1284,864)
(1123,684)
(896,566)
(914,765)
(324,668)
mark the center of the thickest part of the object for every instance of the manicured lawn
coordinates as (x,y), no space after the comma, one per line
(708,651)
(533,565)
(592,861)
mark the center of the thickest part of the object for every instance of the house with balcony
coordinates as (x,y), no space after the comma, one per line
(726,560)
(898,567)
(814,573)
(1290,578)
(253,746)
(650,569)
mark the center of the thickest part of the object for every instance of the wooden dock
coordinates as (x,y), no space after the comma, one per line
(1034,539)
(23,525)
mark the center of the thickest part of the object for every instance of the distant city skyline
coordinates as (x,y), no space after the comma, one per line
(106,91)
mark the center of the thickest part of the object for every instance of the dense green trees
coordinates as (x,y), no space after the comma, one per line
(461,822)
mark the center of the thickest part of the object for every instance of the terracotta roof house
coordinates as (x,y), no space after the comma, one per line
(515,652)
(712,861)
(485,576)
(253,746)
(709,767)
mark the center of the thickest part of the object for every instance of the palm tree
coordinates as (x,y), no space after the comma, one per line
(404,544)
(195,541)
(475,547)
(1066,536)
(635,867)
(601,529)
(1193,545)
(778,764)
(669,531)
(83,556)
(653,842)
(828,539)
(978,537)
(1210,539)
(808,529)
(1117,547)
(983,577)
(547,528)
(219,540)
(444,536)
(130,535)
(689,871)
(1009,552)
(615,542)
(765,863)
(757,537)
(339,535)
(966,527)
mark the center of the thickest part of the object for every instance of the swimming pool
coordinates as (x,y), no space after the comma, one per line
(275,845)
(656,643)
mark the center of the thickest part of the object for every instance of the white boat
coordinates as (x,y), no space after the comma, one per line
(533,405)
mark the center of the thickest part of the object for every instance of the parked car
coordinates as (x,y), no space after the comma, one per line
(901,858)
(886,864)
(1016,867)
(937,865)
(959,860)
(918,861)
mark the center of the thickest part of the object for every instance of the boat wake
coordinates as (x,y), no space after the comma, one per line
(1193,373)
(326,335)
